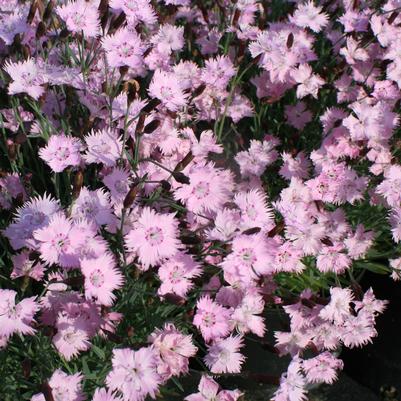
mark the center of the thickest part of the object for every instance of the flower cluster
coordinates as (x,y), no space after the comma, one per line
(172,171)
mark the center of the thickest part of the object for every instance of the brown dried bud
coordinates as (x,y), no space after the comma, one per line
(47,391)
(165,185)
(152,126)
(131,195)
(32,11)
(251,231)
(48,10)
(180,177)
(20,138)
(77,184)
(290,40)
(41,30)
(140,124)
(151,106)
(184,162)
(11,150)
(26,367)
(392,17)
(174,299)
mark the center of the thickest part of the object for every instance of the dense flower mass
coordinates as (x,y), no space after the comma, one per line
(174,172)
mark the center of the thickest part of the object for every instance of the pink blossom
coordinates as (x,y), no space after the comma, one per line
(80,16)
(27,78)
(153,238)
(101,278)
(16,317)
(211,319)
(176,274)
(103,147)
(223,356)
(322,368)
(134,373)
(61,152)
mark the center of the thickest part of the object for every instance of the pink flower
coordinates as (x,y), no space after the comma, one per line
(16,317)
(124,48)
(80,16)
(27,78)
(136,11)
(118,183)
(245,316)
(176,273)
(354,52)
(165,87)
(101,278)
(218,72)
(55,242)
(61,152)
(338,309)
(71,338)
(390,187)
(24,267)
(66,387)
(208,189)
(292,384)
(255,211)
(169,38)
(101,394)
(32,215)
(223,355)
(174,349)
(333,258)
(134,373)
(211,319)
(307,15)
(322,368)
(153,238)
(308,83)
(12,25)
(103,147)
(209,391)
(255,160)
(93,206)
(358,330)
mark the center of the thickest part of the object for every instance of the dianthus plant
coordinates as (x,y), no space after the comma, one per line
(174,174)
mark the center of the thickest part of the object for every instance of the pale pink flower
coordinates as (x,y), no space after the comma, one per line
(134,373)
(55,242)
(153,237)
(124,48)
(176,273)
(71,338)
(168,39)
(16,317)
(254,209)
(27,78)
(307,15)
(223,355)
(322,368)
(61,152)
(103,147)
(209,391)
(81,17)
(93,206)
(308,83)
(165,87)
(174,348)
(292,383)
(101,394)
(64,387)
(338,309)
(208,189)
(24,267)
(101,278)
(211,319)
(136,11)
